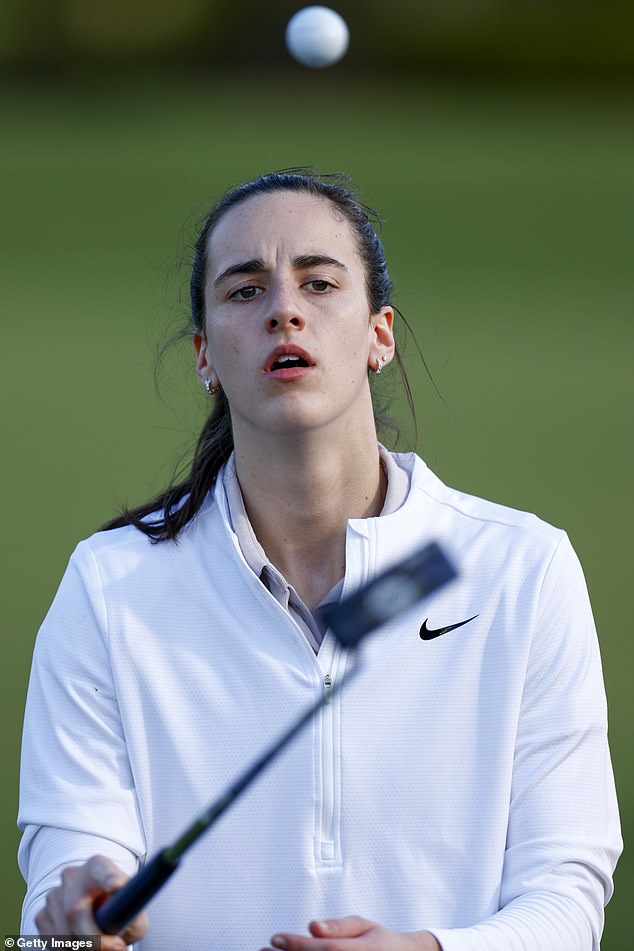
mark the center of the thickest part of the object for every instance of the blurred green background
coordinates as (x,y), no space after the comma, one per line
(496,138)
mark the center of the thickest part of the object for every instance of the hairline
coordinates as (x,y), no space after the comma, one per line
(306,186)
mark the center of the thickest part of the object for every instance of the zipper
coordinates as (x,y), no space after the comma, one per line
(332,661)
(328,852)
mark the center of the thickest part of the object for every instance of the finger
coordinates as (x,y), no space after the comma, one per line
(51,919)
(112,942)
(352,926)
(323,934)
(297,942)
(137,928)
(102,875)
(77,892)
(44,922)
(83,889)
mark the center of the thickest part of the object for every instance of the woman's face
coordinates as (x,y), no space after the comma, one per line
(288,332)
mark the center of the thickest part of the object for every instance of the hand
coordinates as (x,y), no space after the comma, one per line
(69,907)
(355,934)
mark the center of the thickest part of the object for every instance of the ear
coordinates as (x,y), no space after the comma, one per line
(382,343)
(204,368)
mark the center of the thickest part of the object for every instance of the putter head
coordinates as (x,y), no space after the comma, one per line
(393,591)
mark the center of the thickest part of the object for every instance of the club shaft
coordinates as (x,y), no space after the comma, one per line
(117,911)
(395,590)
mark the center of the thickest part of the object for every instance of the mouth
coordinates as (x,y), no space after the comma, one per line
(288,363)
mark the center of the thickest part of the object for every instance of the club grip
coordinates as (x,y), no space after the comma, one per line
(121,907)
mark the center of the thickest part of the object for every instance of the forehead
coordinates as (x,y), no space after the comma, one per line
(281,224)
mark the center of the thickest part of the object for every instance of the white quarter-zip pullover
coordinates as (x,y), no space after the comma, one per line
(460,784)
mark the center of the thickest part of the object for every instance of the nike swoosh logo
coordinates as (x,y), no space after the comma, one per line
(427,634)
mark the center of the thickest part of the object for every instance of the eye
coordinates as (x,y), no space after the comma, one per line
(248,292)
(320,286)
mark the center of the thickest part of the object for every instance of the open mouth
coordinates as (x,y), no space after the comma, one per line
(288,361)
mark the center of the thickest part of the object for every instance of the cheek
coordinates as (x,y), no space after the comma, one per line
(225,343)
(353,317)
(233,360)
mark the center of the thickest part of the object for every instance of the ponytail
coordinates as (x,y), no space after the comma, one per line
(164,517)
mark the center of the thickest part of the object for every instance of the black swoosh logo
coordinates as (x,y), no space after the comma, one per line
(428,634)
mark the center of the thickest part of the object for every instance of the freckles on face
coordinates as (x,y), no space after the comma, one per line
(270,229)
(280,252)
(285,276)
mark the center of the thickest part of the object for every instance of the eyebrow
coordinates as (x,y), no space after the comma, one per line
(256,265)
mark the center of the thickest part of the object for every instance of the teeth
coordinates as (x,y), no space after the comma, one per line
(287,358)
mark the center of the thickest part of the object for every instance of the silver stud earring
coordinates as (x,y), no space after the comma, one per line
(212,388)
(379,364)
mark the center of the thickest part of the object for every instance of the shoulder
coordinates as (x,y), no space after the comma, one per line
(513,555)
(118,551)
(468,516)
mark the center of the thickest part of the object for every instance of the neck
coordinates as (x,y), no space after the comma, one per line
(299,492)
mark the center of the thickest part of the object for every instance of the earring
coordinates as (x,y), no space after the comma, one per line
(212,388)
(379,364)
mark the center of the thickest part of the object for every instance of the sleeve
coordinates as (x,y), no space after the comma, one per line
(563,837)
(77,793)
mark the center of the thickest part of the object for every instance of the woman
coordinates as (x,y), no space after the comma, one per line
(459,795)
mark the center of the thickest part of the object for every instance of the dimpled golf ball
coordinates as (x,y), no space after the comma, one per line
(317,36)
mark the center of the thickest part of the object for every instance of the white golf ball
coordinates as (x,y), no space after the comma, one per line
(317,36)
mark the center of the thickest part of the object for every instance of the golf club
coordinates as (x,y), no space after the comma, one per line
(393,591)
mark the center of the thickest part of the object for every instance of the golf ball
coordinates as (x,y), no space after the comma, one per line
(317,36)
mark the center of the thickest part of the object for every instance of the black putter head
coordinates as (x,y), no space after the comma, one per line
(393,591)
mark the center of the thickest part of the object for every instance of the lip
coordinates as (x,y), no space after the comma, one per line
(288,373)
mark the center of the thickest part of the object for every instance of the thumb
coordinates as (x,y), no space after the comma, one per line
(352,926)
(109,878)
(100,874)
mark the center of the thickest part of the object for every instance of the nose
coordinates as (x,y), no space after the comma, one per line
(284,311)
